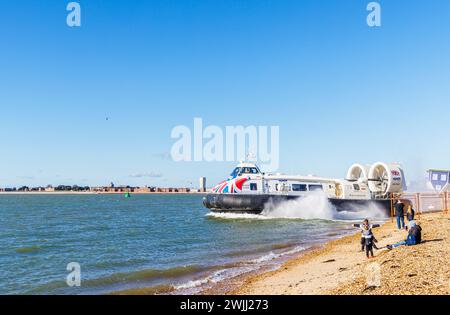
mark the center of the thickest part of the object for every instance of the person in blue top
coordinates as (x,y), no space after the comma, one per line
(400,214)
(414,236)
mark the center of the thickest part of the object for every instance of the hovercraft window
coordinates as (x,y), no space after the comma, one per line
(315,187)
(249,170)
(235,172)
(299,187)
(356,187)
(253,186)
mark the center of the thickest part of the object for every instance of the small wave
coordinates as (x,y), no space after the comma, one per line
(273,256)
(258,250)
(147,274)
(30,249)
(47,287)
(268,257)
(194,286)
(129,277)
(158,289)
(282,246)
(120,263)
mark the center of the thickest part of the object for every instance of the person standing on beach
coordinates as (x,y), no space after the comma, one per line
(400,214)
(367,238)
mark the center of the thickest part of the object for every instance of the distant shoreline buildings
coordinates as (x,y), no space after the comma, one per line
(111,189)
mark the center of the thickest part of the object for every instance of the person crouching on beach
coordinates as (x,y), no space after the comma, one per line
(414,236)
(368,240)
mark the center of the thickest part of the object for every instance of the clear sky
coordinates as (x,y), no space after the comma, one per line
(340,91)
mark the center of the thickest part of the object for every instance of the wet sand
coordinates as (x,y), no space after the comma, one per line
(339,267)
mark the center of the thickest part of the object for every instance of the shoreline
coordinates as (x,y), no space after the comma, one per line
(339,267)
(206,284)
(229,285)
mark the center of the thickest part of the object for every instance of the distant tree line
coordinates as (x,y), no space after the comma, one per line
(57,188)
(72,188)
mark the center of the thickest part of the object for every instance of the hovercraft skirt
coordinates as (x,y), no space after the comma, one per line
(255,204)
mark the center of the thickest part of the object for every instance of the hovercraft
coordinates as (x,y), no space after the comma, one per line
(248,190)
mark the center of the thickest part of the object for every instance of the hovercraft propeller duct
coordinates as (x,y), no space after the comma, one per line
(386,178)
(382,178)
(358,172)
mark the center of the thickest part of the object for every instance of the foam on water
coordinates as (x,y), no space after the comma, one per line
(195,286)
(237,216)
(272,255)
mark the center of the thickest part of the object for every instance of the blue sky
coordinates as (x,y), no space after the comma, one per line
(340,91)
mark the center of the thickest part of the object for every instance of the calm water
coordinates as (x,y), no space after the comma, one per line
(146,240)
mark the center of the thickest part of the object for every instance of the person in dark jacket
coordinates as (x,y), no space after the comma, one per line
(414,236)
(400,214)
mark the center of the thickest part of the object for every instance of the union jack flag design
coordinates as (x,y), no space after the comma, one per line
(231,185)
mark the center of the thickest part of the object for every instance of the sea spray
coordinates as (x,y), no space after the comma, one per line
(236,216)
(317,206)
(357,212)
(313,206)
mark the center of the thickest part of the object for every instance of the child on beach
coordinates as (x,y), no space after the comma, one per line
(368,240)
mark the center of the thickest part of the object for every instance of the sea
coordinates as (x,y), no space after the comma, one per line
(165,244)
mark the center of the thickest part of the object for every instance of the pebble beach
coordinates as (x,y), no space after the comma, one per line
(340,268)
